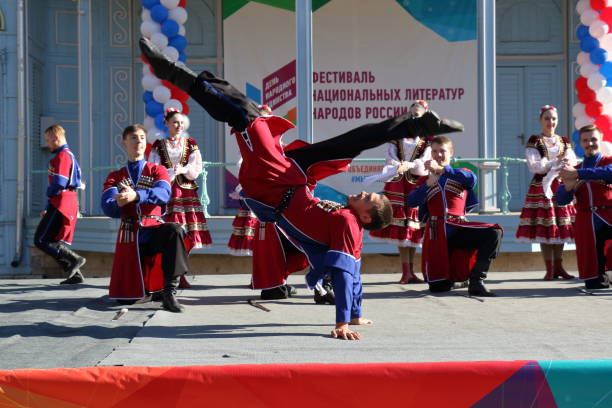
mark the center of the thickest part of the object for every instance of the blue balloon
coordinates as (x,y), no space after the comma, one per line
(182,57)
(171,28)
(576,140)
(609,82)
(148,4)
(159,121)
(606,69)
(147,96)
(582,32)
(159,13)
(179,42)
(588,44)
(598,56)
(154,108)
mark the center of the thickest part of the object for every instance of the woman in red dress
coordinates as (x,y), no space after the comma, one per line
(542,219)
(181,156)
(404,165)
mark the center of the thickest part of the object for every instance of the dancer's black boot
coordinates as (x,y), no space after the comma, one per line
(169,301)
(478,274)
(71,262)
(326,296)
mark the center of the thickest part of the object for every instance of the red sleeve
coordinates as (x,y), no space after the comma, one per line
(346,233)
(61,164)
(160,173)
(111,180)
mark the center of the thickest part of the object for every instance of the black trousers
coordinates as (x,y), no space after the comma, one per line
(602,235)
(47,230)
(486,241)
(225,103)
(167,239)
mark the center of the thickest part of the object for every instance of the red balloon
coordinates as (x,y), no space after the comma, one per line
(182,3)
(179,94)
(586,95)
(185,109)
(604,123)
(581,84)
(608,136)
(598,4)
(606,16)
(594,109)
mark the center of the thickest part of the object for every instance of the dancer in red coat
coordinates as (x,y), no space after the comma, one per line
(56,228)
(591,184)
(454,250)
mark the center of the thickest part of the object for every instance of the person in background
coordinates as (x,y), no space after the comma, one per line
(404,165)
(543,219)
(58,220)
(590,183)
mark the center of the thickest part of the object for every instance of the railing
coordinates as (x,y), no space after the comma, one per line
(503,194)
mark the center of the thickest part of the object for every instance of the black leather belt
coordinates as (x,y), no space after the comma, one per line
(284,202)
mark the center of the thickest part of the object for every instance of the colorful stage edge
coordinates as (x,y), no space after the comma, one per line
(538,384)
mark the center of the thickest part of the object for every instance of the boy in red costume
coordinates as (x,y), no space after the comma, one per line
(590,183)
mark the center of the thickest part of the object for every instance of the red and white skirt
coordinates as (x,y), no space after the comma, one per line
(185,209)
(542,220)
(405,229)
(244,227)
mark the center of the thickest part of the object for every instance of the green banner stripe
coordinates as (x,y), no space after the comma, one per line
(231,6)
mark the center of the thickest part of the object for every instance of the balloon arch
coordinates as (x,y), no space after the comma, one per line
(163,23)
(594,86)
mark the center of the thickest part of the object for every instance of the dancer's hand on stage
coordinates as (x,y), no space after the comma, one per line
(343,332)
(360,321)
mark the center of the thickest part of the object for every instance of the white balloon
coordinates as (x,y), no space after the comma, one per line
(170,4)
(145,14)
(582,57)
(150,82)
(578,110)
(173,104)
(596,81)
(153,134)
(598,29)
(148,28)
(582,6)
(182,30)
(604,95)
(148,122)
(605,42)
(605,148)
(171,53)
(145,69)
(160,40)
(582,121)
(161,94)
(178,14)
(587,69)
(588,17)
(186,121)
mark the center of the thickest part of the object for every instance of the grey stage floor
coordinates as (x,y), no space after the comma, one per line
(44,325)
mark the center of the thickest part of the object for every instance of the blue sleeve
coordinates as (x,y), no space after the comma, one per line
(159,194)
(564,197)
(109,204)
(465,177)
(58,184)
(418,196)
(596,173)
(346,281)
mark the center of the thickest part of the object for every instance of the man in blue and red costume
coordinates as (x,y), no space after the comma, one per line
(276,183)
(590,183)
(150,255)
(56,228)
(454,250)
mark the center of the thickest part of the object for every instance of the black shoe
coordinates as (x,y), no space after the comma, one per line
(440,286)
(164,68)
(76,278)
(279,292)
(291,290)
(597,283)
(126,301)
(72,261)
(433,125)
(327,299)
(169,301)
(157,296)
(477,288)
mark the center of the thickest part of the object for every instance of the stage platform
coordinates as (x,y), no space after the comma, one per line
(45,325)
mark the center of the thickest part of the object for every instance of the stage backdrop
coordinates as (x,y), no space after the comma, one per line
(371,60)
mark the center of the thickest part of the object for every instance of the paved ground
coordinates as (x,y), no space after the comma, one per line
(45,325)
